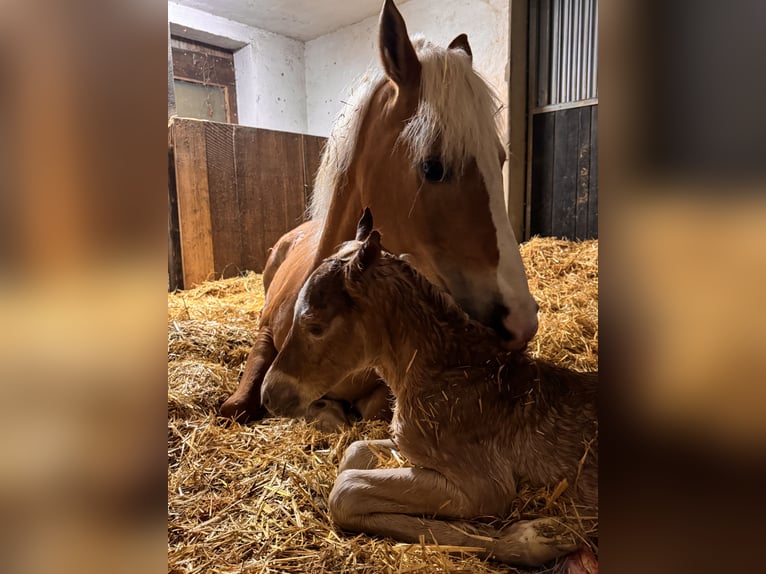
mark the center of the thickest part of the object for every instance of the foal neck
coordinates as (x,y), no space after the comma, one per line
(424,330)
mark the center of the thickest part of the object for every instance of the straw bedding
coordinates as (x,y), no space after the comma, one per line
(253,498)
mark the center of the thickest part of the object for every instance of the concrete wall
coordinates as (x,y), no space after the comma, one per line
(269,68)
(335,61)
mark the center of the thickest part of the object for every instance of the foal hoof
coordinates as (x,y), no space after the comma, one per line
(241,411)
(535,542)
(581,562)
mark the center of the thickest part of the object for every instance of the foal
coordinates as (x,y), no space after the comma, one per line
(474,420)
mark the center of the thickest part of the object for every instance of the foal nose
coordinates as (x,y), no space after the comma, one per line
(516,331)
(279,397)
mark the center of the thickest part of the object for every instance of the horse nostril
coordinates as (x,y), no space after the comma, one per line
(515,334)
(497,321)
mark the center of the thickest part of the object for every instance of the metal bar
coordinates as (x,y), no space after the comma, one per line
(572,49)
(577,51)
(566,64)
(585,42)
(564,106)
(572,42)
(543,27)
(555,27)
(534,32)
(586,50)
(582,41)
(594,77)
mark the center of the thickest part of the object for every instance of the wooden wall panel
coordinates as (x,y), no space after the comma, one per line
(583,174)
(564,172)
(175,267)
(223,194)
(566,136)
(270,175)
(193,201)
(541,222)
(239,190)
(593,183)
(216,69)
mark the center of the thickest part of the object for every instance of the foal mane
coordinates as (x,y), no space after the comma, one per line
(456,119)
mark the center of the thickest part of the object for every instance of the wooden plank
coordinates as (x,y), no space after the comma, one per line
(197,46)
(543,157)
(195,228)
(171,85)
(566,136)
(175,269)
(531,79)
(175,264)
(224,201)
(312,155)
(231,104)
(517,116)
(583,174)
(593,182)
(203,67)
(271,197)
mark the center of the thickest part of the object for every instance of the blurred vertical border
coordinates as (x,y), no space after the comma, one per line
(682,279)
(83,279)
(83,282)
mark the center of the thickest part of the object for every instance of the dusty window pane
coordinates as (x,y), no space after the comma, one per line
(204,102)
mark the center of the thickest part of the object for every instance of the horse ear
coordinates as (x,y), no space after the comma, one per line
(461,43)
(364,226)
(396,51)
(370,252)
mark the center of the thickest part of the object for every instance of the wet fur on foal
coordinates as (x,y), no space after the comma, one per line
(474,420)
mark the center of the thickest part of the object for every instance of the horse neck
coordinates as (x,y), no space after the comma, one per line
(424,332)
(340,222)
(348,196)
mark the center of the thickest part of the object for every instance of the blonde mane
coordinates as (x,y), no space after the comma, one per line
(456,120)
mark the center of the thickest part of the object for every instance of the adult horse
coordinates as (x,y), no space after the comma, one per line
(419,145)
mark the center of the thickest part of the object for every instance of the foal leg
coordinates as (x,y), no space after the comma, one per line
(245,403)
(364,454)
(390,502)
(328,414)
(377,404)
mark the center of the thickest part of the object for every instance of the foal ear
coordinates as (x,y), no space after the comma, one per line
(364,226)
(370,252)
(461,43)
(396,51)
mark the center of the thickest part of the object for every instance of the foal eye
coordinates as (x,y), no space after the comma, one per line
(433,170)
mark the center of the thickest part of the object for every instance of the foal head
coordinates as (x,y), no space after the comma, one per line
(421,149)
(336,327)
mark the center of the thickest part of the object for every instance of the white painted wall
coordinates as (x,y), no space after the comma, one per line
(335,61)
(288,85)
(269,68)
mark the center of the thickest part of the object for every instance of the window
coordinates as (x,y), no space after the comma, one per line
(203,78)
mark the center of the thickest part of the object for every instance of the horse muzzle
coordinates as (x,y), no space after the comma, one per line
(515,331)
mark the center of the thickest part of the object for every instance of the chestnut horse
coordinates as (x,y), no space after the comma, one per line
(418,144)
(473,419)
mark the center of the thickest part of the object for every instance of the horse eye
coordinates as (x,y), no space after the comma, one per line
(315,330)
(433,170)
